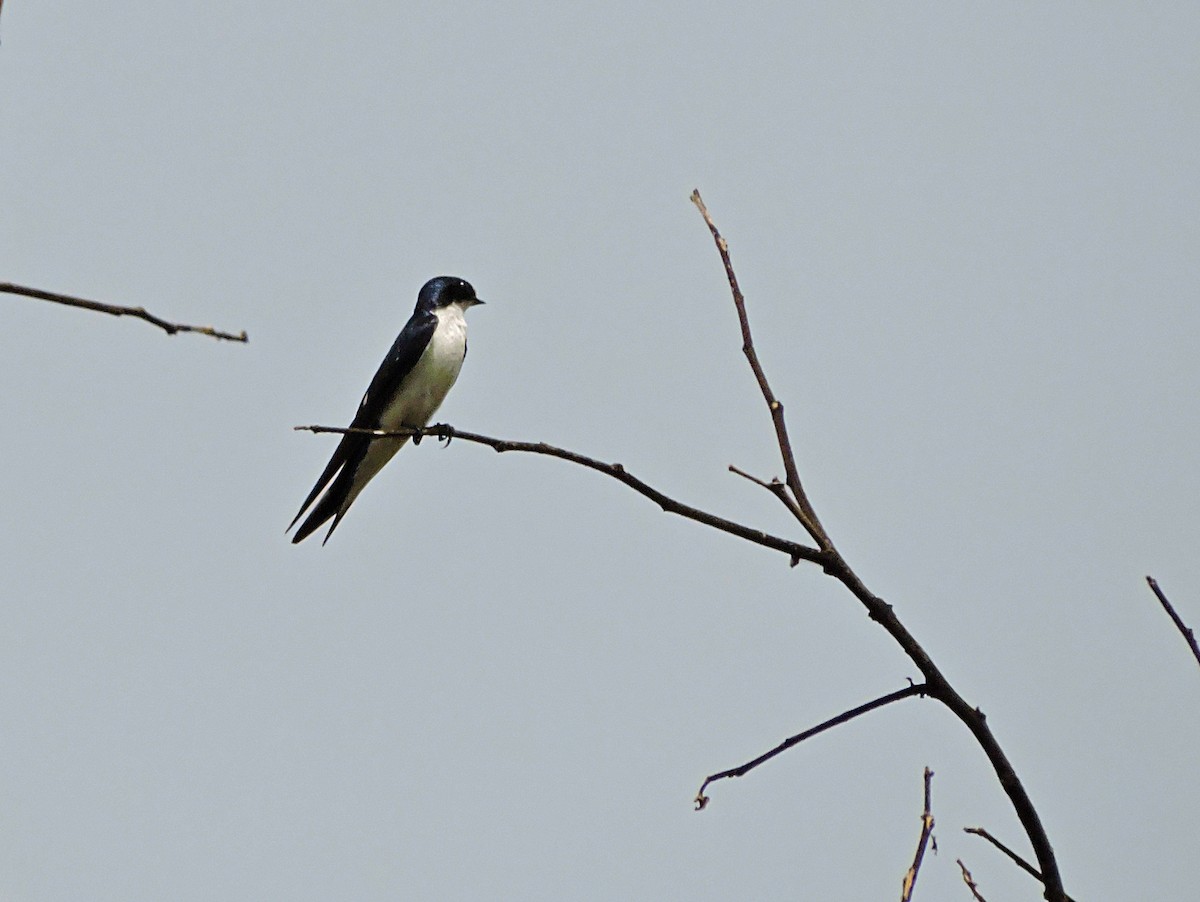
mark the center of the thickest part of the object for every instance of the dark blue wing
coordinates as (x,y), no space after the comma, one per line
(406,351)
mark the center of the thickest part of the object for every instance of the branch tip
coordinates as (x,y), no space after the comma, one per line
(1188,635)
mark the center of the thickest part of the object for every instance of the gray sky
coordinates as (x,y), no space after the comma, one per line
(968,237)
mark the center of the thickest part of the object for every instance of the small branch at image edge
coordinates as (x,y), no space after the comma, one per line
(119,310)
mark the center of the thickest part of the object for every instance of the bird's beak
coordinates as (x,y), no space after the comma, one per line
(475,301)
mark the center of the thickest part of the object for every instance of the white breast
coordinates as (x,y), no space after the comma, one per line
(423,390)
(420,394)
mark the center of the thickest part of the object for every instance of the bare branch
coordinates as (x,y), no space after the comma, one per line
(1013,856)
(1179,624)
(970,881)
(117,310)
(881,612)
(807,516)
(910,878)
(743,769)
(794,550)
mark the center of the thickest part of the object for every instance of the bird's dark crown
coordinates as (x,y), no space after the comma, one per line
(445,290)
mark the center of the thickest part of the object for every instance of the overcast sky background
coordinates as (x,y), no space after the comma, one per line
(968,238)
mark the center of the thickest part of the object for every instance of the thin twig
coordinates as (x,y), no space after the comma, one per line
(1013,856)
(910,877)
(776,488)
(117,310)
(794,550)
(1179,624)
(970,881)
(808,515)
(881,612)
(769,486)
(743,769)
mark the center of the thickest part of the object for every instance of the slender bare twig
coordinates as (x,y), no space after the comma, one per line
(742,769)
(794,550)
(1013,856)
(117,310)
(1017,859)
(771,486)
(1179,624)
(970,881)
(776,488)
(808,516)
(910,877)
(881,612)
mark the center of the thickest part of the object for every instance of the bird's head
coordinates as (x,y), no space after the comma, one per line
(445,291)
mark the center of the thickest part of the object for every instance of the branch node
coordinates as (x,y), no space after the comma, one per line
(880,612)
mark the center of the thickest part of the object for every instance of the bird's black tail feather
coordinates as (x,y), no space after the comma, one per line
(330,507)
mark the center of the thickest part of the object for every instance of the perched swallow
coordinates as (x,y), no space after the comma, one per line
(411,383)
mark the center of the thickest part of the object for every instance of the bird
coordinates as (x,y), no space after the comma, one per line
(407,390)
